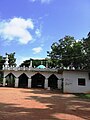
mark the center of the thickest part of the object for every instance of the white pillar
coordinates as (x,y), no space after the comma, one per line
(59,83)
(3,67)
(30,66)
(63,85)
(6,61)
(16,81)
(46,83)
(4,81)
(46,64)
(29,82)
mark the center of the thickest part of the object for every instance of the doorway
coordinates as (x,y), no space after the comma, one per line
(23,81)
(38,81)
(53,81)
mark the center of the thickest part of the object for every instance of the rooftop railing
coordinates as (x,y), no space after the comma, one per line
(28,69)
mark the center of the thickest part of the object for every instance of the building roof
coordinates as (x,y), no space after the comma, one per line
(41,67)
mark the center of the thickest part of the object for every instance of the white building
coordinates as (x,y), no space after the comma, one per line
(76,81)
(69,81)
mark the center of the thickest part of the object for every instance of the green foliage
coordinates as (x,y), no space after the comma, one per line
(35,63)
(70,52)
(1,80)
(86,44)
(62,51)
(26,63)
(1,77)
(12,59)
(2,60)
(83,95)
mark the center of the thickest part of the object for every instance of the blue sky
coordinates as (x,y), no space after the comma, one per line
(29,27)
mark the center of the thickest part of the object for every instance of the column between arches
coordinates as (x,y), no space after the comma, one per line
(16,81)
(4,81)
(46,83)
(29,82)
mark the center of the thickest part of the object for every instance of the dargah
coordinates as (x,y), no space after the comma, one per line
(68,80)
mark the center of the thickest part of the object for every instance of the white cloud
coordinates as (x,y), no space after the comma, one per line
(16,29)
(37,50)
(42,1)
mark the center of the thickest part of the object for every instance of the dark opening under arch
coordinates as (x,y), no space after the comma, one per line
(53,81)
(23,81)
(38,81)
(10,80)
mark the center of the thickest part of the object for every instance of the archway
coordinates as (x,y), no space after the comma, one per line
(38,81)
(10,80)
(53,81)
(23,81)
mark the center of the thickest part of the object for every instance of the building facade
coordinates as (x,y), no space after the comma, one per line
(67,80)
(76,81)
(32,78)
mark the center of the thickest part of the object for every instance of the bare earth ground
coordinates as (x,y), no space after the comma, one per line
(39,104)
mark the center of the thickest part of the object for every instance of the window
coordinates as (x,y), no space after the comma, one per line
(81,81)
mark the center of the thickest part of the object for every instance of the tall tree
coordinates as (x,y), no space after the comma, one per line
(61,52)
(2,60)
(78,55)
(35,62)
(86,44)
(67,52)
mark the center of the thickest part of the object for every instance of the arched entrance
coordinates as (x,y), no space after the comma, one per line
(38,81)
(23,81)
(53,81)
(10,80)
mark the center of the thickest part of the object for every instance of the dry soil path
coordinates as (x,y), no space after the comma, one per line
(39,104)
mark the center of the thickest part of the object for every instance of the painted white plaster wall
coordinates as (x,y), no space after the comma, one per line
(16,81)
(30,74)
(60,84)
(71,82)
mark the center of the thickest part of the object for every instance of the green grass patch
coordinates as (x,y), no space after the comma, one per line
(83,95)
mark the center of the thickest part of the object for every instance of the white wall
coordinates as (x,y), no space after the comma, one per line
(71,82)
(30,74)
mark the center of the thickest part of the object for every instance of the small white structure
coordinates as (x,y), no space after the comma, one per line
(76,81)
(6,62)
(68,80)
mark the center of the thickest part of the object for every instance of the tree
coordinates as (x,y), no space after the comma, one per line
(78,55)
(25,63)
(86,44)
(61,52)
(2,61)
(35,62)
(12,59)
(67,52)
(1,65)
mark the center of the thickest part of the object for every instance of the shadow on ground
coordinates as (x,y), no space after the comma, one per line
(58,107)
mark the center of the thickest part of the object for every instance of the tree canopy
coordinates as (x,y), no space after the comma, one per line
(35,62)
(70,52)
(12,59)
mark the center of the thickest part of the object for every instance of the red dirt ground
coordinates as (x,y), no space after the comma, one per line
(40,104)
